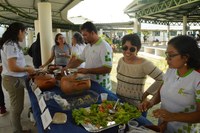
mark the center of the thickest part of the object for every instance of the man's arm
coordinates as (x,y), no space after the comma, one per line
(74,63)
(99,70)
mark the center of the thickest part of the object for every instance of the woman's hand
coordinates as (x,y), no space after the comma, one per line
(29,69)
(163,114)
(145,105)
(144,96)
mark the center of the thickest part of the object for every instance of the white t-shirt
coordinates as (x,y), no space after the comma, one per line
(180,94)
(98,55)
(11,50)
(77,50)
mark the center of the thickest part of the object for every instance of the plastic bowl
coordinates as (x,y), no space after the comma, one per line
(132,124)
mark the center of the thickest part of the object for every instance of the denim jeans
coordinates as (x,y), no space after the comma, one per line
(143,121)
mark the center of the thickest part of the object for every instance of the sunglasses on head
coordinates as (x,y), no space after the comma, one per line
(125,48)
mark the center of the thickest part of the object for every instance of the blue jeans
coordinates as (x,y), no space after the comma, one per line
(143,121)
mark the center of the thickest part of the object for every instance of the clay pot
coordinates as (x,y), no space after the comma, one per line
(44,81)
(70,85)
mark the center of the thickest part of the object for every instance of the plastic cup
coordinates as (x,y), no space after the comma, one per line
(122,128)
(104,96)
(132,124)
(48,95)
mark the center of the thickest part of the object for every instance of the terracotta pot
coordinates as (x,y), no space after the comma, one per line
(70,85)
(44,81)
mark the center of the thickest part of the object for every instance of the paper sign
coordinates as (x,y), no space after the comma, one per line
(34,86)
(31,82)
(37,92)
(46,118)
(42,104)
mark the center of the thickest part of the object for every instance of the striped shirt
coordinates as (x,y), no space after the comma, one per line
(131,80)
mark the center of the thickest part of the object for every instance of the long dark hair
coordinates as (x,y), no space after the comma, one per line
(56,38)
(79,38)
(187,46)
(11,34)
(38,38)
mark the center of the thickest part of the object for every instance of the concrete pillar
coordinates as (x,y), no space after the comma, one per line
(30,38)
(69,37)
(37,27)
(137,27)
(168,32)
(100,32)
(45,22)
(58,30)
(184,25)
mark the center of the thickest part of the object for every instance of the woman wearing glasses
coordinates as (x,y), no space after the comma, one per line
(180,92)
(132,72)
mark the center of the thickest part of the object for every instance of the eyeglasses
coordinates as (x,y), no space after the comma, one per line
(125,48)
(170,56)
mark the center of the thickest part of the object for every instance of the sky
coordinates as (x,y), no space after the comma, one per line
(101,11)
(109,11)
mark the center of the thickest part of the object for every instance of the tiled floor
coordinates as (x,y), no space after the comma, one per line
(5,125)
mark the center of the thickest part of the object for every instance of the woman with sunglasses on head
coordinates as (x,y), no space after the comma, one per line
(180,92)
(14,72)
(78,46)
(132,72)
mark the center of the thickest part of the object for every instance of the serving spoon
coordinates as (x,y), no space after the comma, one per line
(112,111)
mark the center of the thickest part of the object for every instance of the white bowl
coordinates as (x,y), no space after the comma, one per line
(132,124)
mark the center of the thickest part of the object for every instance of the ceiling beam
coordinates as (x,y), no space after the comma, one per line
(163,6)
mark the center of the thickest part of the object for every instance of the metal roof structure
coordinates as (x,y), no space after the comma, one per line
(26,11)
(167,12)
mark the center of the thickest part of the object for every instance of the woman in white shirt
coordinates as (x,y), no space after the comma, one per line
(78,46)
(14,71)
(180,92)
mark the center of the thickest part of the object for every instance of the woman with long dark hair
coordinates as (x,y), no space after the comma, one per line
(180,92)
(14,71)
(60,52)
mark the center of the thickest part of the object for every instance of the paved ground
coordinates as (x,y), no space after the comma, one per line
(5,126)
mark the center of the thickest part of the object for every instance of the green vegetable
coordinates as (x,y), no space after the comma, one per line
(99,115)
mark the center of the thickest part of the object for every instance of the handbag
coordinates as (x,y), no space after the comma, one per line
(75,84)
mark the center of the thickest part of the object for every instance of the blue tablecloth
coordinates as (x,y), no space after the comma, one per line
(70,125)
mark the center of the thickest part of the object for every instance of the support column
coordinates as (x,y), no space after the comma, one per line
(137,27)
(100,32)
(30,37)
(58,30)
(184,25)
(46,37)
(37,27)
(69,37)
(168,32)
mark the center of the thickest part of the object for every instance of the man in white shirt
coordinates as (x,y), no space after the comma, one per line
(97,56)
